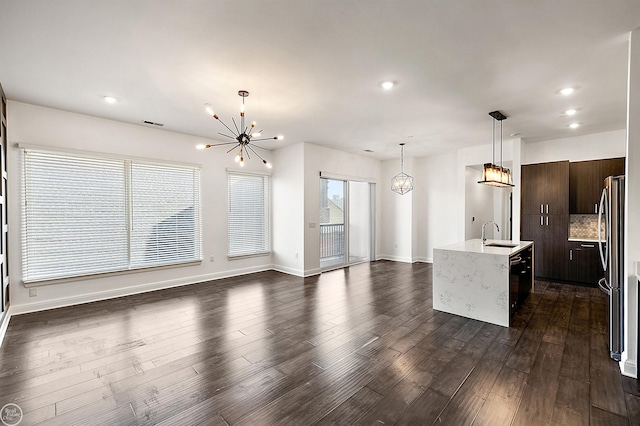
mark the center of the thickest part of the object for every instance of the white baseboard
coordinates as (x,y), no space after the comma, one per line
(4,325)
(312,272)
(424,259)
(395,258)
(287,270)
(629,368)
(128,291)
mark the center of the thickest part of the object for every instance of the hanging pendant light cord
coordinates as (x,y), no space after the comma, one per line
(501,146)
(493,141)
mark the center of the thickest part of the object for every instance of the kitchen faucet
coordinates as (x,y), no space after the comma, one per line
(484,236)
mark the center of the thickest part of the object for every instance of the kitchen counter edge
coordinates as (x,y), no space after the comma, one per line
(476,246)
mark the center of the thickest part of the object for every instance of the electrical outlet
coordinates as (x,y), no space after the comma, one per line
(211,259)
(296,255)
(33,292)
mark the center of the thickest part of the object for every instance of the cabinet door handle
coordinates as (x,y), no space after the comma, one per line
(541,221)
(588,245)
(541,209)
(547,208)
(547,220)
(570,254)
(595,206)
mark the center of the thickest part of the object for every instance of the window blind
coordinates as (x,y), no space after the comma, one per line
(248,214)
(86,215)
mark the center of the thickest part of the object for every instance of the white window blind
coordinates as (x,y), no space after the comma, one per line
(248,214)
(86,215)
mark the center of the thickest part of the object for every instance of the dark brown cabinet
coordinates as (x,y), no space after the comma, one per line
(520,278)
(545,188)
(586,180)
(545,216)
(584,262)
(549,234)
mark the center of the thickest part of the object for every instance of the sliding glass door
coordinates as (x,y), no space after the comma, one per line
(346,222)
(359,222)
(332,223)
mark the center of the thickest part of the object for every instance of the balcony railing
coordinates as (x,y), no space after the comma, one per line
(331,240)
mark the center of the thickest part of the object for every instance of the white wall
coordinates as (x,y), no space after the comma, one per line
(336,164)
(397,230)
(578,148)
(288,209)
(480,207)
(435,194)
(59,129)
(629,364)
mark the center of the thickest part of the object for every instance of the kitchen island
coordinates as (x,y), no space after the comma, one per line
(486,282)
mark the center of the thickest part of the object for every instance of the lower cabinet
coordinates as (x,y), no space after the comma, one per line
(549,234)
(520,278)
(585,265)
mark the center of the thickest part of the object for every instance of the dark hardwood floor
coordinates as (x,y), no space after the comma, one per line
(355,346)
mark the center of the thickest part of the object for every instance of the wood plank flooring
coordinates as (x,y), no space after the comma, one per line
(360,345)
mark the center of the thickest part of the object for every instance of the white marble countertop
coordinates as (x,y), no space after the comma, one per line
(476,246)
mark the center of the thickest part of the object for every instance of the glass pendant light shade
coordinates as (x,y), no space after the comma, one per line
(402,182)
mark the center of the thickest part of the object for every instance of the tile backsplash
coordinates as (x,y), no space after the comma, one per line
(584,226)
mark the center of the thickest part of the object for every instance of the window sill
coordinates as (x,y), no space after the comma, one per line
(44,282)
(245,256)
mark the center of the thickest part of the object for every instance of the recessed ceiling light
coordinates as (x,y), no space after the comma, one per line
(567,91)
(574,125)
(110,99)
(388,85)
(570,112)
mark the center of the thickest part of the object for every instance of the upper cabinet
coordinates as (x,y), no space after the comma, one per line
(586,180)
(545,188)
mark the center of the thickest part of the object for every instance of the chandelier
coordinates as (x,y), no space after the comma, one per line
(492,174)
(402,182)
(242,136)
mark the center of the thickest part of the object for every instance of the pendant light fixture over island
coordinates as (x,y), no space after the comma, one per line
(492,174)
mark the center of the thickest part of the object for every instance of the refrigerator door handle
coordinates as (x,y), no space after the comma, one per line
(602,283)
(602,252)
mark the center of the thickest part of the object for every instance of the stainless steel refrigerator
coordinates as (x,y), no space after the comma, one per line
(611,221)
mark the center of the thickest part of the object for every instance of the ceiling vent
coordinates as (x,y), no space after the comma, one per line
(151,123)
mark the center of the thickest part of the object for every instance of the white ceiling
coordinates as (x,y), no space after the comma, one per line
(314,68)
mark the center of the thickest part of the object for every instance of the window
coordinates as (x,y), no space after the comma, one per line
(248,214)
(86,215)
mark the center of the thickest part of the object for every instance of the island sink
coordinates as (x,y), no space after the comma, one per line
(486,282)
(501,245)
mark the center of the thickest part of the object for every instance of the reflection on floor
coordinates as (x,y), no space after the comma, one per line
(357,345)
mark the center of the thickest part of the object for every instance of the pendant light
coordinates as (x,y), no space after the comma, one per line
(402,182)
(492,174)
